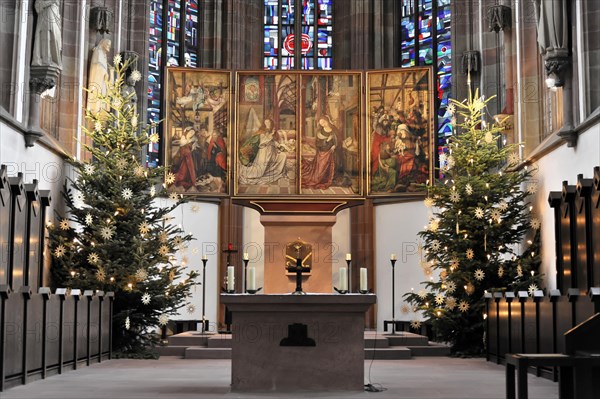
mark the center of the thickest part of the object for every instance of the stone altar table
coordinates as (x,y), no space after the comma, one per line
(298,342)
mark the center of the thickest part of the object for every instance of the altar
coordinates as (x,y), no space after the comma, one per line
(311,342)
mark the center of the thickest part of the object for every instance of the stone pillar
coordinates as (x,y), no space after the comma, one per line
(281,230)
(362,242)
(231,218)
(8,17)
(364,34)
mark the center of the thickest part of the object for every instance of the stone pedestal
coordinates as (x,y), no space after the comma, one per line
(41,78)
(283,229)
(298,342)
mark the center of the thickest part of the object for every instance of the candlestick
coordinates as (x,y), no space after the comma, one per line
(230,278)
(204,321)
(245,256)
(393,262)
(251,284)
(246,288)
(343,283)
(348,256)
(363,279)
(349,284)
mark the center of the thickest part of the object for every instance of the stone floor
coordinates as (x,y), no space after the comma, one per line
(170,377)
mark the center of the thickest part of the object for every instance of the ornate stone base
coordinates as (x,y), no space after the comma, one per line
(41,78)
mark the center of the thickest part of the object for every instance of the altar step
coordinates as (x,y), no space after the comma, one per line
(402,345)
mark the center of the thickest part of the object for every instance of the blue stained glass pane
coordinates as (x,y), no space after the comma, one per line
(445,129)
(445,81)
(425,56)
(444,54)
(283,43)
(308,12)
(407,7)
(408,57)
(308,63)
(425,5)
(191,34)
(271,41)
(442,3)
(271,12)
(443,23)
(287,62)
(270,63)
(408,28)
(310,31)
(324,63)
(287,12)
(324,42)
(324,12)
(425,26)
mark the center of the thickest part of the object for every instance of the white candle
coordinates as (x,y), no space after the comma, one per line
(245,257)
(251,283)
(393,257)
(230,278)
(204,257)
(343,279)
(363,279)
(348,256)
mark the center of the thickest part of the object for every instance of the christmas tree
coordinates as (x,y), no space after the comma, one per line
(115,237)
(479,218)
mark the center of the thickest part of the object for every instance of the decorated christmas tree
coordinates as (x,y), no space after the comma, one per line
(479,220)
(114,236)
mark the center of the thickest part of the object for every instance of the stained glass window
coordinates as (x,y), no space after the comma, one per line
(425,40)
(173,42)
(280,42)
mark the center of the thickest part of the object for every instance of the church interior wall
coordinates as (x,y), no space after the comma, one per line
(396,228)
(564,163)
(39,162)
(396,225)
(201,220)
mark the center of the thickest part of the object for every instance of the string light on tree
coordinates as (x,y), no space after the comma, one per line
(112,199)
(482,199)
(163,319)
(146,299)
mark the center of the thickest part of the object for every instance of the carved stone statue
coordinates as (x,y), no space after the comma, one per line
(553,37)
(553,28)
(128,89)
(47,45)
(99,75)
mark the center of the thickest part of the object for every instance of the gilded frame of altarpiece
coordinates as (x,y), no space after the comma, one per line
(300,135)
(297,134)
(197,131)
(400,131)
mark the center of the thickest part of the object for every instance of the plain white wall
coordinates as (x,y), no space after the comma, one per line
(202,221)
(396,228)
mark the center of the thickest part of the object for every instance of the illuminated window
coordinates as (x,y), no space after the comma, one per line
(169,46)
(316,29)
(425,41)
